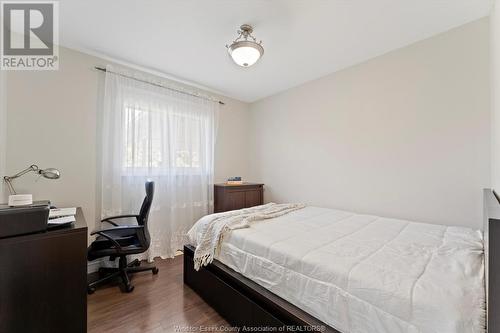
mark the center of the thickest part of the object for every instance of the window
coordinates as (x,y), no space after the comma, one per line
(161,139)
(149,132)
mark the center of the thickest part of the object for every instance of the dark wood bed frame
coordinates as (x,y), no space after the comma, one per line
(244,303)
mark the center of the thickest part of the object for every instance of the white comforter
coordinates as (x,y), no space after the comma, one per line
(361,273)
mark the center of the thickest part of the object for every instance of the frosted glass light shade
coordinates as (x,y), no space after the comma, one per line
(245,53)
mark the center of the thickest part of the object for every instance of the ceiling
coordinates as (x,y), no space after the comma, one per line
(303,39)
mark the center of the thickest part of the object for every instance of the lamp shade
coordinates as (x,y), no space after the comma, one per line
(245,53)
(50,173)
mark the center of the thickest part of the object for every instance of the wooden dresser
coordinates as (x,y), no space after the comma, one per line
(231,197)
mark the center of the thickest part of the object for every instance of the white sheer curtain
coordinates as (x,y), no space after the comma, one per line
(150,132)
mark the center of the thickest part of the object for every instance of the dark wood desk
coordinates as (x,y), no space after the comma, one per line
(43,281)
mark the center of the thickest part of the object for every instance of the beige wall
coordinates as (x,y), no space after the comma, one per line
(495,95)
(404,135)
(53,121)
(3,129)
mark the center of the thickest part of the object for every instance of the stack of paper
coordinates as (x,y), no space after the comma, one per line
(62,215)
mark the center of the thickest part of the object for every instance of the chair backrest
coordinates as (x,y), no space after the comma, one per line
(145,208)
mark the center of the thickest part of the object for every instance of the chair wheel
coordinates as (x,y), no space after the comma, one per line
(155,271)
(129,288)
(90,290)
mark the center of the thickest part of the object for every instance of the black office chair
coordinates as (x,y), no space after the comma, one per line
(121,241)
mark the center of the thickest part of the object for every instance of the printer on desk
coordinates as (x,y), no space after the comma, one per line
(24,219)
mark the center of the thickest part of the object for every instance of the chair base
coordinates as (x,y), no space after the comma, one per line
(122,271)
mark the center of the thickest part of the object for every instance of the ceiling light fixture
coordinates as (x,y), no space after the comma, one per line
(245,51)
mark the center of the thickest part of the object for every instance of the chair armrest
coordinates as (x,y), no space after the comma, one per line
(121,227)
(110,222)
(108,219)
(104,234)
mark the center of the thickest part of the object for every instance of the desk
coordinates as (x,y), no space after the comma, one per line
(43,281)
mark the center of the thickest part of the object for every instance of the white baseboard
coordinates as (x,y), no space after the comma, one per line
(93,266)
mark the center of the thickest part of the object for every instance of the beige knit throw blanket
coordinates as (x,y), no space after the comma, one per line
(213,231)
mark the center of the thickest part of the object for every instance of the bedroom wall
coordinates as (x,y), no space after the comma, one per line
(404,135)
(3,129)
(495,95)
(52,121)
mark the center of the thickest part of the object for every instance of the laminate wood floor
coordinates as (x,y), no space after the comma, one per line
(159,303)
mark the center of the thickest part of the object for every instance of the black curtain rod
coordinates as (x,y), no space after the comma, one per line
(161,86)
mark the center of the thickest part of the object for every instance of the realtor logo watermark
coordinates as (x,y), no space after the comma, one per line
(30,35)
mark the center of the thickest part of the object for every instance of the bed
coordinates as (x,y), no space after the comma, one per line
(331,270)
